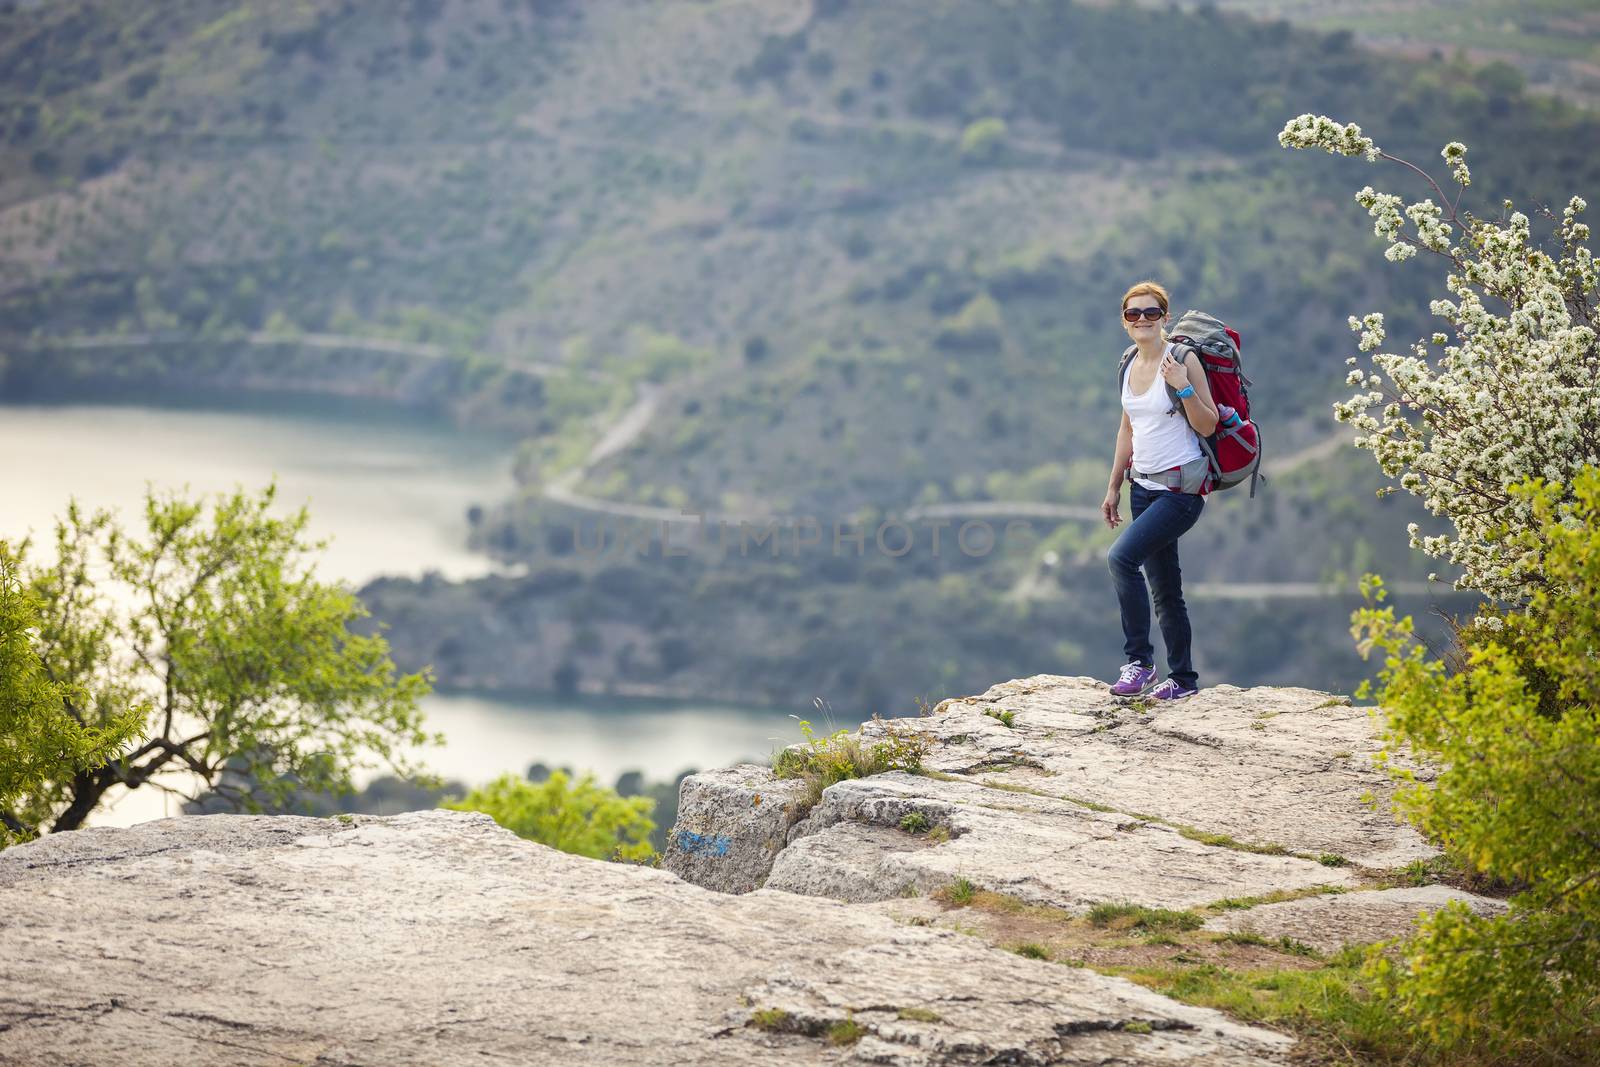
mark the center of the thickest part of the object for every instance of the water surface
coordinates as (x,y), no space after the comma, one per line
(391,492)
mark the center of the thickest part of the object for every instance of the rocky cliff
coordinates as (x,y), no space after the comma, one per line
(1083,798)
(437,937)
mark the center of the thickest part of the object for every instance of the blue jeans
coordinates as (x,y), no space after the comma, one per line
(1151,542)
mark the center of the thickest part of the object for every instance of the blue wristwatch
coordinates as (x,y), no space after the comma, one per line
(1186,392)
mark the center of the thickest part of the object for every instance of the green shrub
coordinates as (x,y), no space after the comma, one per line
(580,816)
(206,589)
(915,823)
(1517,730)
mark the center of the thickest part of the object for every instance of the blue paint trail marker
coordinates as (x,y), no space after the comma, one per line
(716,844)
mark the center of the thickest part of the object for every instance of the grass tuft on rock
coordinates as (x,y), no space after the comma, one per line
(961,891)
(771,1020)
(826,760)
(846,1032)
(1118,916)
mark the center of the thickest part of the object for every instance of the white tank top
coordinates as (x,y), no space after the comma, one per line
(1162,438)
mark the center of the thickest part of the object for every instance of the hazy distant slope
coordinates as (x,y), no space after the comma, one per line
(1555,44)
(868,253)
(806,218)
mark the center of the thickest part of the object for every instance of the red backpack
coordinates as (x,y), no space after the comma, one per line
(1234,448)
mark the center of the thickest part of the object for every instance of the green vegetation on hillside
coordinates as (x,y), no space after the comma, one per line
(1552,44)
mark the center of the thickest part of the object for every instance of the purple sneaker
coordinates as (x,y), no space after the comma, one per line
(1171,690)
(1135,679)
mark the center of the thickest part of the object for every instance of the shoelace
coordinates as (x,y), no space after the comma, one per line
(1129,672)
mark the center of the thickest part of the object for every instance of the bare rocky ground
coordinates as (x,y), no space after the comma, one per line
(909,919)
(1234,795)
(439,938)
(1082,799)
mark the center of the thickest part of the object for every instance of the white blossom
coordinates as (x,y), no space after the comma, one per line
(1516,394)
(1370,329)
(1455,154)
(1319,131)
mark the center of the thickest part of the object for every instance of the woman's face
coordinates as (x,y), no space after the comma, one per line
(1145,327)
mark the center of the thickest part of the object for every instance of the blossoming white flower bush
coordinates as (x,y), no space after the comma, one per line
(1511,390)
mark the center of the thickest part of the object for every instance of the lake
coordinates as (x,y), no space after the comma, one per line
(391,491)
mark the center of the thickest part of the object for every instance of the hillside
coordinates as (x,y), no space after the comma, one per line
(865,255)
(1553,44)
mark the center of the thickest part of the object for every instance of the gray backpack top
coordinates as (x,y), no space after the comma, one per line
(1233,449)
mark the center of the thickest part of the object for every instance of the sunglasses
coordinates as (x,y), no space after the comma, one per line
(1132,314)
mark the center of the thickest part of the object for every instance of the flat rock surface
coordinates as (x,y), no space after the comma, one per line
(437,937)
(1328,923)
(1084,798)
(1040,849)
(1265,765)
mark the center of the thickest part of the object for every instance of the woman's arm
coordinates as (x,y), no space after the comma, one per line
(1119,464)
(1198,406)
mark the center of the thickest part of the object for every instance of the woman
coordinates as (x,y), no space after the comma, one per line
(1158,446)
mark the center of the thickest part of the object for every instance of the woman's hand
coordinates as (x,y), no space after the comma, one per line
(1108,507)
(1175,373)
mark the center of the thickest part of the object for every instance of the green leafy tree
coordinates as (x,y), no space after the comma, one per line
(41,736)
(577,816)
(1516,728)
(236,655)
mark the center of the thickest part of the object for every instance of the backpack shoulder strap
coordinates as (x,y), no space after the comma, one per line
(1180,352)
(1122,368)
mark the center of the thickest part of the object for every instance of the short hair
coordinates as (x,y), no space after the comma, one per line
(1147,287)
